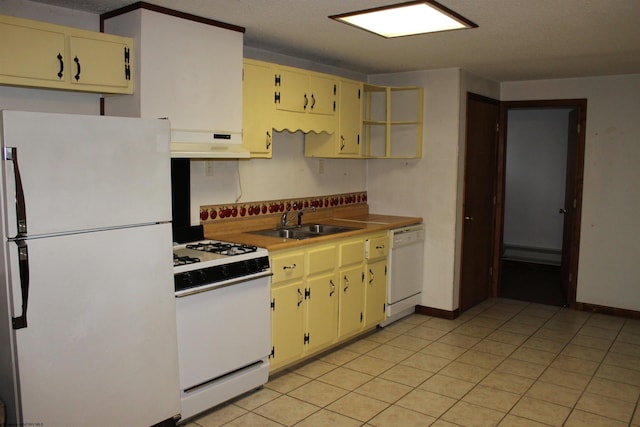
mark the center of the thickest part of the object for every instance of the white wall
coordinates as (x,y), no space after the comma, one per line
(608,269)
(17,98)
(535,179)
(287,175)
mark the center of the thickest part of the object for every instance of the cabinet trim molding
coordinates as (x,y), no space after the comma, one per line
(167,11)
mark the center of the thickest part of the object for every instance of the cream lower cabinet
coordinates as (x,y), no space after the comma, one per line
(351,259)
(320,297)
(39,54)
(287,307)
(376,253)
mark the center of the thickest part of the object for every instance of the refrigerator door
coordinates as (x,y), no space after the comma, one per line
(83,172)
(100,348)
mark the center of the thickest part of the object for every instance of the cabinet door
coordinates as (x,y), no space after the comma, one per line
(291,90)
(351,300)
(98,62)
(287,323)
(350,118)
(322,311)
(257,109)
(375,293)
(29,55)
(322,95)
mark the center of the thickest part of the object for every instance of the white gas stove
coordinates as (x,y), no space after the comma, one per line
(224,321)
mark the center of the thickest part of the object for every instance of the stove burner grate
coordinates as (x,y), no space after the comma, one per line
(184,260)
(222,248)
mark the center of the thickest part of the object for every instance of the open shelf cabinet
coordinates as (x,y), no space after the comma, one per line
(392,122)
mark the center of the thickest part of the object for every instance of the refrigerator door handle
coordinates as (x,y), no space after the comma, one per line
(11,154)
(23,265)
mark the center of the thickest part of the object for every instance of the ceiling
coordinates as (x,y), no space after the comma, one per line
(515,39)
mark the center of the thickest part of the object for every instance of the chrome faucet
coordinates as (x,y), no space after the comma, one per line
(301,211)
(284,219)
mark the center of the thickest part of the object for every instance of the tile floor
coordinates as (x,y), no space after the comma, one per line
(504,362)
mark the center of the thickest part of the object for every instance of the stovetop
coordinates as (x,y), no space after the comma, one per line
(208,253)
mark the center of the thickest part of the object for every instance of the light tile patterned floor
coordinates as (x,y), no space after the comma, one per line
(504,362)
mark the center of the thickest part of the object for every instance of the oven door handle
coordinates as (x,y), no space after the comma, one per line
(217,285)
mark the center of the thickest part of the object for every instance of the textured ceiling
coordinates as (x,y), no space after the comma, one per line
(515,40)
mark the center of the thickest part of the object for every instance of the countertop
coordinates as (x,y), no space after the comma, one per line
(363,224)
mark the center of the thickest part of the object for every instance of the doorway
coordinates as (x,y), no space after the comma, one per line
(541,152)
(483,217)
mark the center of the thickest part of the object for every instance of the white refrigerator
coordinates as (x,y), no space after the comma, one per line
(88,326)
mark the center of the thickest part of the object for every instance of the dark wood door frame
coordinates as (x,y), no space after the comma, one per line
(580,105)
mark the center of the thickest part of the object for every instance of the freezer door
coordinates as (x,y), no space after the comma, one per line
(83,172)
(100,348)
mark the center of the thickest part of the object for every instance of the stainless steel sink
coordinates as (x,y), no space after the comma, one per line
(301,232)
(324,229)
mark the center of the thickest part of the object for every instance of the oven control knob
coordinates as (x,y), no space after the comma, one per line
(224,270)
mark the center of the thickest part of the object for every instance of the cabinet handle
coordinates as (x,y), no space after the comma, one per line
(313,101)
(289,267)
(60,73)
(333,287)
(300,297)
(77,61)
(371,275)
(306,101)
(380,247)
(342,142)
(268,140)
(346,283)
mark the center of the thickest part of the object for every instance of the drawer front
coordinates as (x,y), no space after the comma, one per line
(321,259)
(352,252)
(287,266)
(377,247)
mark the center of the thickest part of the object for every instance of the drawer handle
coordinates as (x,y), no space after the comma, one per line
(380,247)
(333,288)
(289,267)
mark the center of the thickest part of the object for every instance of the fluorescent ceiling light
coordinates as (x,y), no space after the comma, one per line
(416,17)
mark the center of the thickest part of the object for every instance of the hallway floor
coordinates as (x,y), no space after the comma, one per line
(526,281)
(504,362)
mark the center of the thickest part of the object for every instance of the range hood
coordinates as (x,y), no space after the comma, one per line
(204,144)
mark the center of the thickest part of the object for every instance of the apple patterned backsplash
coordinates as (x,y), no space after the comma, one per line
(214,213)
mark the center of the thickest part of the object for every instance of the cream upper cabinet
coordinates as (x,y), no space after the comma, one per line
(257,108)
(392,122)
(345,142)
(54,56)
(189,72)
(111,68)
(302,92)
(304,100)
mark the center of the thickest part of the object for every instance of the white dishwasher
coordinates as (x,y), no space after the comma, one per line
(406,259)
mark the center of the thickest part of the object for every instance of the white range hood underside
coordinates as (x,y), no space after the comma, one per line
(207,145)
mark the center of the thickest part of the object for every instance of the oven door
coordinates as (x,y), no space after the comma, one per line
(222,330)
